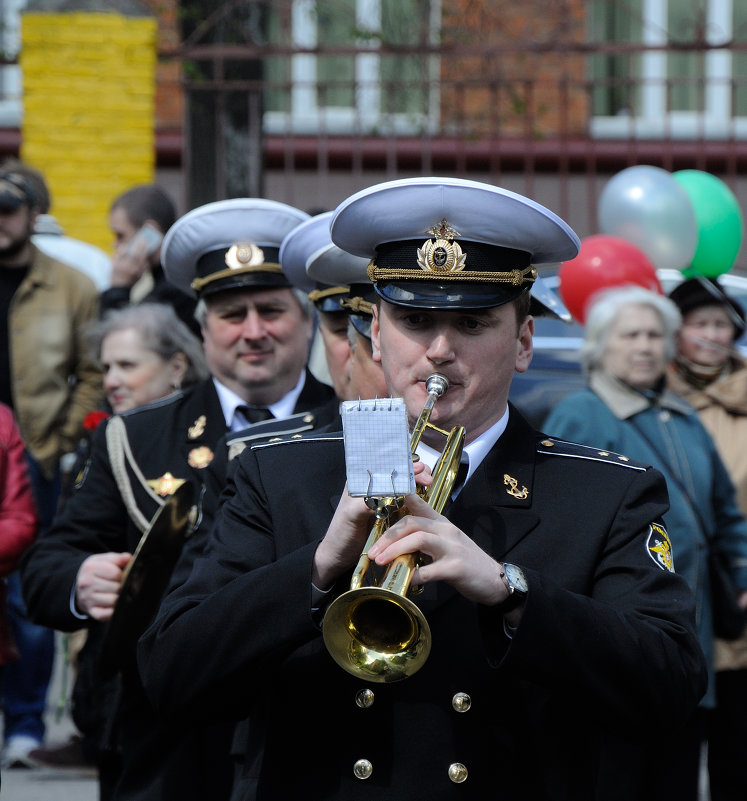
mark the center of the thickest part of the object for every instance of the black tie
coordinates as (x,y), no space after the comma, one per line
(461,475)
(254,414)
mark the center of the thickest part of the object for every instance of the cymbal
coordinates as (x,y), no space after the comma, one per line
(146,577)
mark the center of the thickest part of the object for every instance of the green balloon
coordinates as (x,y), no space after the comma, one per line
(719,221)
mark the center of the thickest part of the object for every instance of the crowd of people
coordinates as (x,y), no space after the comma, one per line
(562,579)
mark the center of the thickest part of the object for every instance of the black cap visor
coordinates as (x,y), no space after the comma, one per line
(362,324)
(447,294)
(250,280)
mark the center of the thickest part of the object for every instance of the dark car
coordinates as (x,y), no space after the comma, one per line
(556,370)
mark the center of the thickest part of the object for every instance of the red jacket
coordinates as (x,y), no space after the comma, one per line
(18,518)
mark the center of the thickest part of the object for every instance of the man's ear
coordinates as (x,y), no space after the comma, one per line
(375,349)
(524,347)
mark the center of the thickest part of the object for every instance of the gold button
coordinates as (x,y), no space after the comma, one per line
(457,772)
(548,443)
(623,458)
(309,418)
(364,698)
(461,702)
(363,769)
(604,453)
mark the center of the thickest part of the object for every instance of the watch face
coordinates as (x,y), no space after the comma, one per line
(515,577)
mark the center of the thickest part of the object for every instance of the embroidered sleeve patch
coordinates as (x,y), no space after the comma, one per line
(659,547)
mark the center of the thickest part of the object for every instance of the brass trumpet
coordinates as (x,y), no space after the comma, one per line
(376,632)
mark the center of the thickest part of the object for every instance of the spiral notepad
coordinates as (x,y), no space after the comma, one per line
(377,448)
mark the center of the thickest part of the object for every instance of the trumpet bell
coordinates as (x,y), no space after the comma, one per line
(377,635)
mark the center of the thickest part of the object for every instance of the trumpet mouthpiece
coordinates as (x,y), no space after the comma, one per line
(437,385)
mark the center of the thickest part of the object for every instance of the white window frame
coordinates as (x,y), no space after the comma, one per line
(306,117)
(655,121)
(11,86)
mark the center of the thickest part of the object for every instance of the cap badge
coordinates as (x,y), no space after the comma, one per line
(441,255)
(244,255)
(513,487)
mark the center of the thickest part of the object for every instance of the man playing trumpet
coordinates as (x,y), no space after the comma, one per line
(563,644)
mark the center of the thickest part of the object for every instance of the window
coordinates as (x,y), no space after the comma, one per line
(11,107)
(389,84)
(680,84)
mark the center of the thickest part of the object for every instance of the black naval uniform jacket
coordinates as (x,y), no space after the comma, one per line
(605,657)
(177,435)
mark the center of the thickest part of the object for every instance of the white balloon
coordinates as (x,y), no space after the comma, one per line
(648,207)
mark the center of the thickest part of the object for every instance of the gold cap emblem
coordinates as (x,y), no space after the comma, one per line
(244,255)
(441,255)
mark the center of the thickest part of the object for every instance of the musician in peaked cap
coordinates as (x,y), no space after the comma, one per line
(256,331)
(304,244)
(312,263)
(300,244)
(334,270)
(339,287)
(560,637)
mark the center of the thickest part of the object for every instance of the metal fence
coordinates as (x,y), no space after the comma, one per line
(556,130)
(308,100)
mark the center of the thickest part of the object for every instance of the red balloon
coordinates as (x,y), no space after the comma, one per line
(603,262)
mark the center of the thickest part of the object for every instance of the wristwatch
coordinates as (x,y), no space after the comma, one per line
(516,584)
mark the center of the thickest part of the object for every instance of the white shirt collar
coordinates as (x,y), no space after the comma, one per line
(229,400)
(476,451)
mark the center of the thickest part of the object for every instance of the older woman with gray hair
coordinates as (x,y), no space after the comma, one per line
(626,408)
(146,353)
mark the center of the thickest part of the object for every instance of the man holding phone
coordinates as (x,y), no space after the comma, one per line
(139,218)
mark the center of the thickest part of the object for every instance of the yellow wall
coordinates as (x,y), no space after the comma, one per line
(88,96)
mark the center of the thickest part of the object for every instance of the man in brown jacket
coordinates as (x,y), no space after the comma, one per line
(51,384)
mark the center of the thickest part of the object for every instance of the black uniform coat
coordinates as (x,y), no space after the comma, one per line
(177,435)
(605,654)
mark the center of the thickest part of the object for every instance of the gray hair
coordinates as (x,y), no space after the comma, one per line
(162,332)
(604,312)
(307,307)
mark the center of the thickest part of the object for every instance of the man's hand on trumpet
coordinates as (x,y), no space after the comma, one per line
(451,555)
(347,533)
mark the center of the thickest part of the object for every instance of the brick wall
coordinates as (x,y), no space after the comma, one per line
(515,82)
(89,94)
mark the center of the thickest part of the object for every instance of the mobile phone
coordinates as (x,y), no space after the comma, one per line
(150,236)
